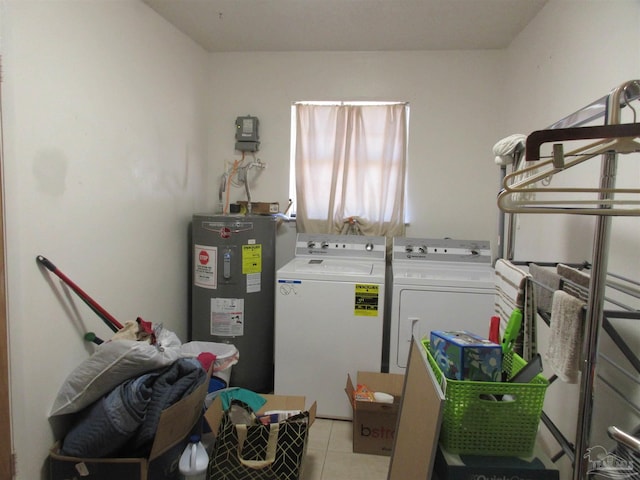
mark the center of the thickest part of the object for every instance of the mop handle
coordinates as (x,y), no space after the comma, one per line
(101,312)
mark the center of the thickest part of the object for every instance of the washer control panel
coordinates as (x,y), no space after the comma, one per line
(341,246)
(441,250)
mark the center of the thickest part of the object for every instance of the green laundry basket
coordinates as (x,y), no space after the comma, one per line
(476,423)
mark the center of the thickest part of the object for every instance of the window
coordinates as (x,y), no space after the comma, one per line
(349,162)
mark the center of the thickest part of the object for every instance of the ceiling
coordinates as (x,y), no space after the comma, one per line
(348,25)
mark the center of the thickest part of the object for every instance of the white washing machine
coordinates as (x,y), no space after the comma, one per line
(438,284)
(329,318)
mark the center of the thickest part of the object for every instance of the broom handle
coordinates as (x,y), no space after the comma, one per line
(101,312)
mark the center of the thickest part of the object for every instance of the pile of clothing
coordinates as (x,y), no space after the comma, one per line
(123,423)
(115,397)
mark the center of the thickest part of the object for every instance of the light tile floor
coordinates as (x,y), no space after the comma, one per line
(330,455)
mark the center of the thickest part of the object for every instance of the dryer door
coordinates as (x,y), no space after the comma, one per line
(441,308)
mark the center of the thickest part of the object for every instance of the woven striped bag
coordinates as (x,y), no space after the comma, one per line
(253,451)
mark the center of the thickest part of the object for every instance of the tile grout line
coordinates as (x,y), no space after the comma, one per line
(326,450)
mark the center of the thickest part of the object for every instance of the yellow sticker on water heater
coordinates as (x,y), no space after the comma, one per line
(366,300)
(251,259)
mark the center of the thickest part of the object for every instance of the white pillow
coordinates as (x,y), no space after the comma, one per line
(111,364)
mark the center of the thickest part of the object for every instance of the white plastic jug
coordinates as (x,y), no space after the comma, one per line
(194,460)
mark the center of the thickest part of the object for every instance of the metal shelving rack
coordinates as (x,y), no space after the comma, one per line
(604,207)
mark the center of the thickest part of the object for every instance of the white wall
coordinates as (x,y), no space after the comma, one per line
(104,155)
(572,53)
(455,102)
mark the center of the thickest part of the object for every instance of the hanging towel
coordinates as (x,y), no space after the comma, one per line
(565,338)
(546,281)
(507,149)
(576,281)
(514,289)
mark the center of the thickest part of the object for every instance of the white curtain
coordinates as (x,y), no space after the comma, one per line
(350,167)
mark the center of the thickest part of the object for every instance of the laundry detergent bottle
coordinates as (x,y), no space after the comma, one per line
(194,460)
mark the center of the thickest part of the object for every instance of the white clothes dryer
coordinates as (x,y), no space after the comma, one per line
(438,284)
(329,318)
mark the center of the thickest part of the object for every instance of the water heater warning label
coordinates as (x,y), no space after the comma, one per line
(252,266)
(251,259)
(227,317)
(366,300)
(205,271)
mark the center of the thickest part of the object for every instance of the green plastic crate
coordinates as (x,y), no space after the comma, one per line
(476,424)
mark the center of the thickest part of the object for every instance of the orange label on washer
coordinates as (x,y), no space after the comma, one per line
(366,300)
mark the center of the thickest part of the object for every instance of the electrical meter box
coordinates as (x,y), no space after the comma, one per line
(247,135)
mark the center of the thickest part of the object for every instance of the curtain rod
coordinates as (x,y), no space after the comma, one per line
(348,102)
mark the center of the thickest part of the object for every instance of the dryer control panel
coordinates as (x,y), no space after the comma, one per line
(442,250)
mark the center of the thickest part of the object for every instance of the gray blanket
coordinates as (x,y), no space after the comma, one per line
(124,422)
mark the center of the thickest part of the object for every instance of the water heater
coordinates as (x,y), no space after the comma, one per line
(232,299)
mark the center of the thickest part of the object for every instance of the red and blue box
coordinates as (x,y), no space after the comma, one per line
(462,355)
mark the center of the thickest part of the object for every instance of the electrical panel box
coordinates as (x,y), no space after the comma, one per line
(247,135)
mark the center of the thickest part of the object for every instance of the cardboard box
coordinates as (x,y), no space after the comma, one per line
(451,466)
(374,423)
(261,207)
(462,355)
(174,427)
